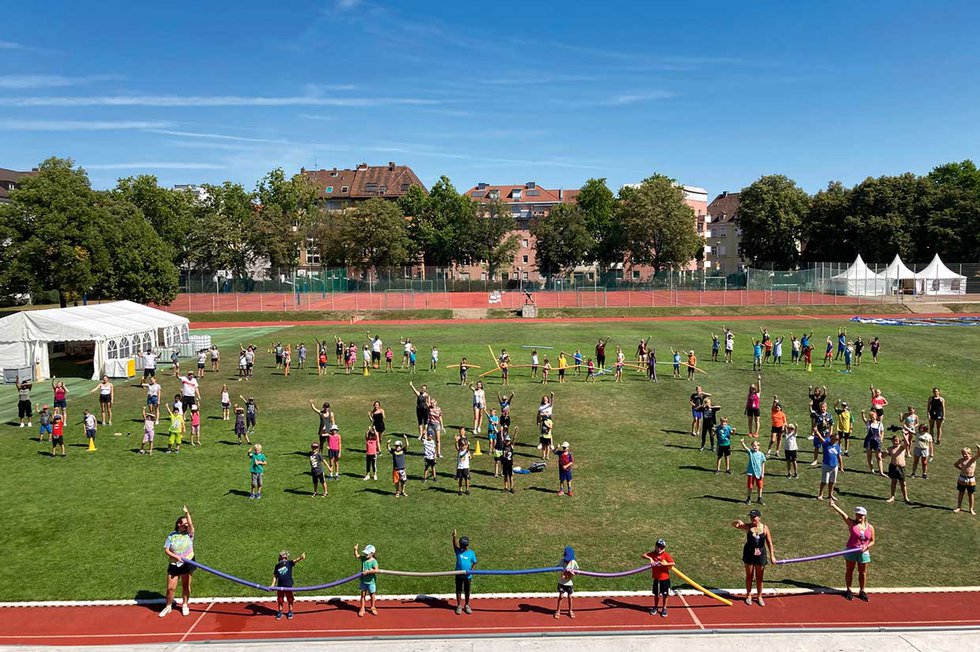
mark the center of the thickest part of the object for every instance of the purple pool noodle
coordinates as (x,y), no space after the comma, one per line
(826,555)
(619,574)
(261,587)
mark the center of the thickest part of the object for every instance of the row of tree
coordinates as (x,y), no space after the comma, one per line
(910,215)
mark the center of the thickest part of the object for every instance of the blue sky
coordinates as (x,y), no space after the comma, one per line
(714,94)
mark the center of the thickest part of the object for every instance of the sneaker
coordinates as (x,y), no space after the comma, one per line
(654,612)
(925,477)
(166,611)
(863,596)
(250,496)
(459,611)
(30,423)
(912,476)
(728,472)
(279,615)
(761,602)
(467,609)
(848,595)
(185,610)
(289,615)
(570,493)
(22,425)
(561,493)
(663,612)
(367,477)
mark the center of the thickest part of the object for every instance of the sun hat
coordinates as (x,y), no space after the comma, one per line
(368,549)
(334,428)
(860,511)
(314,445)
(464,542)
(398,443)
(564,444)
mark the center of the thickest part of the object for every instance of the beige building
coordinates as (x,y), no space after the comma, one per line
(723,236)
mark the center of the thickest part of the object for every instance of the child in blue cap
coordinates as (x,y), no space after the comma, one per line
(569,567)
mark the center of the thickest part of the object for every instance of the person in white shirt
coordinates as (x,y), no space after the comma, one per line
(190,392)
(790,448)
(376,348)
(202,358)
(153,391)
(149,364)
(462,463)
(215,359)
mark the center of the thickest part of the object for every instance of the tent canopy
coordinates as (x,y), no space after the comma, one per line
(897,271)
(936,278)
(119,330)
(858,280)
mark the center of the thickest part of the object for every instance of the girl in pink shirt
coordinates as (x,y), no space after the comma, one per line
(195,426)
(371,453)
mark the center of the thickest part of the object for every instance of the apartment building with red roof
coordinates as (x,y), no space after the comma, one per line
(9,179)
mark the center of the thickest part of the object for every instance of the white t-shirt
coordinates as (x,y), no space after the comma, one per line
(534,359)
(149,360)
(90,421)
(435,355)
(215,354)
(153,389)
(367,355)
(923,441)
(188,386)
(545,409)
(729,342)
(789,441)
(376,345)
(202,356)
(429,449)
(408,348)
(479,398)
(463,459)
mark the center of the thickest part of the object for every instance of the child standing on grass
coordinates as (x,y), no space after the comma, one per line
(790,451)
(149,431)
(369,572)
(507,462)
(464,369)
(195,426)
(845,424)
(398,473)
(534,364)
(91,424)
(44,421)
(778,427)
(565,464)
(833,463)
(240,430)
(660,564)
(225,403)
(316,469)
(590,371)
(58,435)
(715,347)
(896,467)
(723,438)
(577,359)
(257,463)
(434,359)
(389,354)
(412,358)
(692,364)
(677,363)
(372,442)
(755,472)
(334,451)
(282,578)
(569,567)
(872,440)
(756,355)
(923,450)
(545,371)
(966,483)
(462,463)
(175,432)
(428,455)
(493,429)
(251,410)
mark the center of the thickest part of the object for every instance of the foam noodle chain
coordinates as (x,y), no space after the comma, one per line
(700,588)
(262,587)
(826,555)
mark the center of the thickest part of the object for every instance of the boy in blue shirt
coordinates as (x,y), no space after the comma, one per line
(756,355)
(723,435)
(832,464)
(755,472)
(465,561)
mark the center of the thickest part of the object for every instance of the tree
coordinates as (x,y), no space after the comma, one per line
(141,268)
(442,223)
(494,238)
(374,235)
(599,206)
(884,215)
(770,215)
(823,227)
(658,228)
(56,239)
(954,217)
(225,235)
(285,205)
(169,212)
(561,240)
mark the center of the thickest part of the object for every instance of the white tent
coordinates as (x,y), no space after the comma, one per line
(857,280)
(119,330)
(898,277)
(936,278)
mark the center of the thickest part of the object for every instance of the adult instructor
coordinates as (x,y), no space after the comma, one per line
(178,547)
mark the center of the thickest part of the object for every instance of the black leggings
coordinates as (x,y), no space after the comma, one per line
(371,464)
(707,432)
(463,587)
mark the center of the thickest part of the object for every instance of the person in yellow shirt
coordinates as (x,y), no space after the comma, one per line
(845,423)
(562,365)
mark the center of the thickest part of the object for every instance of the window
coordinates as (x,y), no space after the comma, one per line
(533,193)
(524,243)
(493,194)
(483,276)
(524,275)
(405,187)
(329,189)
(524,259)
(516,194)
(636,274)
(721,250)
(371,187)
(312,252)
(477,194)
(345,189)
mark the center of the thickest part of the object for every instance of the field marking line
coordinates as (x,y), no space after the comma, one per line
(694,617)
(198,620)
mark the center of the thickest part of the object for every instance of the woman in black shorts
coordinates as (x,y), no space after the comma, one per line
(378,418)
(937,414)
(756,553)
(421,407)
(178,547)
(326,420)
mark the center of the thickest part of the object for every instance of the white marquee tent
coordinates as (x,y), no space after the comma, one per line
(898,277)
(936,278)
(119,330)
(857,280)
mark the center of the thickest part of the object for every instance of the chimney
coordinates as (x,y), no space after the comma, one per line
(302,170)
(362,166)
(561,194)
(391,165)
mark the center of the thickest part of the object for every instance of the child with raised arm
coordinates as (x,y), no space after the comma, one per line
(660,564)
(149,431)
(369,572)
(282,579)
(676,360)
(462,463)
(896,467)
(845,424)
(399,476)
(872,440)
(755,472)
(251,411)
(429,456)
(832,464)
(372,442)
(715,347)
(240,430)
(507,462)
(316,469)
(566,578)
(790,451)
(175,431)
(966,483)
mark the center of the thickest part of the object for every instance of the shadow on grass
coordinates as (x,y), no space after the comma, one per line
(792,494)
(698,468)
(227,442)
(725,499)
(676,432)
(380,492)
(690,448)
(297,492)
(237,492)
(543,490)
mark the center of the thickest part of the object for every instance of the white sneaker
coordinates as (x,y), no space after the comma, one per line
(29,424)
(166,611)
(185,610)
(22,425)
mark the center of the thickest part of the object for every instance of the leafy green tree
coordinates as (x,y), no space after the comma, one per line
(141,268)
(823,228)
(54,231)
(442,224)
(884,215)
(494,238)
(659,229)
(770,215)
(169,212)
(375,236)
(224,236)
(561,240)
(285,206)
(954,217)
(599,205)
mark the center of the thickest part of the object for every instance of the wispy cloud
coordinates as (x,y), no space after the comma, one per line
(346,5)
(163,165)
(81,125)
(10,45)
(317,90)
(21,82)
(624,99)
(312,116)
(212,101)
(245,139)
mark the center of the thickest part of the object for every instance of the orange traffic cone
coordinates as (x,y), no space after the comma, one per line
(477,451)
(91,444)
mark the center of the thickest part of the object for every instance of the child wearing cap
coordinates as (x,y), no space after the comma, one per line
(565,463)
(568,569)
(333,452)
(507,462)
(465,561)
(282,578)
(149,431)
(316,468)
(660,564)
(398,474)
(757,552)
(58,435)
(369,570)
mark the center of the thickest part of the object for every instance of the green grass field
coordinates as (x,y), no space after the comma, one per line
(92,525)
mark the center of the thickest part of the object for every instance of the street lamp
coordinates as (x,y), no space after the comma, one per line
(520,277)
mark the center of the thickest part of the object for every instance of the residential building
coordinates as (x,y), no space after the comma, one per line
(723,235)
(527,201)
(342,189)
(10,179)
(199,192)
(697,199)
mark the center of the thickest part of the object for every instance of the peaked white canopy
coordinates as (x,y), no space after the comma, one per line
(936,278)
(897,271)
(858,280)
(119,330)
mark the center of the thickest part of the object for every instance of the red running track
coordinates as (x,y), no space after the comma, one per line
(132,625)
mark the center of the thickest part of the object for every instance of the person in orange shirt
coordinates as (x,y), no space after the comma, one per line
(778,427)
(660,564)
(692,363)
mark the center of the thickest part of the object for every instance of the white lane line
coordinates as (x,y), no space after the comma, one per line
(694,617)
(199,618)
